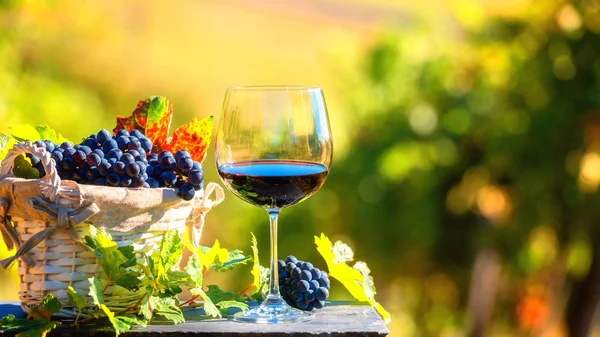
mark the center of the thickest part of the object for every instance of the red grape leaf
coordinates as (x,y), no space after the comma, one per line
(193,137)
(152,116)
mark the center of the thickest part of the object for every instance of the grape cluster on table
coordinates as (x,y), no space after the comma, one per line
(302,285)
(123,160)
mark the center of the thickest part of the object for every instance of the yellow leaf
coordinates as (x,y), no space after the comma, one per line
(352,279)
(256,267)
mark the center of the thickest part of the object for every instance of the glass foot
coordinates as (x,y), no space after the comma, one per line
(273,313)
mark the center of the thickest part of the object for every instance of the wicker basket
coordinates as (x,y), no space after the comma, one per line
(46,219)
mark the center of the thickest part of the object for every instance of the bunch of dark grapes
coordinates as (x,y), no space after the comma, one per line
(302,285)
(123,160)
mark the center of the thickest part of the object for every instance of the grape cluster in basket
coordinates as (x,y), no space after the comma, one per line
(302,285)
(123,160)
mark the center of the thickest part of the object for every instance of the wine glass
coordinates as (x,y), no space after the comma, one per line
(273,150)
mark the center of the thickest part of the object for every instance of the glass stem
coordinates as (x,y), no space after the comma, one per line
(274,279)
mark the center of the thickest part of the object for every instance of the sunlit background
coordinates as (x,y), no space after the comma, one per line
(467,136)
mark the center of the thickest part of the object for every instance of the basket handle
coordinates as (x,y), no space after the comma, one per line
(50,183)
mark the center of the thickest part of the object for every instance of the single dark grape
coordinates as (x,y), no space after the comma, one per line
(66,145)
(132,169)
(305,275)
(322,293)
(187,192)
(122,142)
(49,145)
(92,173)
(185,164)
(289,267)
(127,158)
(79,157)
(303,285)
(41,169)
(93,159)
(68,164)
(168,178)
(91,143)
(103,136)
(167,163)
(319,304)
(68,153)
(195,177)
(135,154)
(99,152)
(85,149)
(316,273)
(119,168)
(109,145)
(122,132)
(181,154)
(133,144)
(309,295)
(146,144)
(114,153)
(301,305)
(163,154)
(137,181)
(57,156)
(104,167)
(292,259)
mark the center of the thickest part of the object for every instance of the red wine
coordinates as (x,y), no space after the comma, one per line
(273,183)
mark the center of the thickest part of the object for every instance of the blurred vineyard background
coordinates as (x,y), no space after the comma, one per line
(467,136)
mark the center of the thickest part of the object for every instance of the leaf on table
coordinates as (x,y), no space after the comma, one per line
(49,306)
(171,248)
(118,324)
(356,280)
(145,309)
(96,291)
(194,137)
(10,322)
(224,305)
(168,308)
(217,295)
(210,309)
(40,331)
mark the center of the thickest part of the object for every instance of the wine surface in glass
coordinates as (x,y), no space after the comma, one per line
(273,183)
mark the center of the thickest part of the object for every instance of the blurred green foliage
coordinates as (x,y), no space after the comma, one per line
(471,169)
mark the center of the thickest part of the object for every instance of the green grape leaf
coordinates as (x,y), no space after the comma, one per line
(24,132)
(260,273)
(40,331)
(235,257)
(22,168)
(194,269)
(6,143)
(118,324)
(217,295)
(210,309)
(224,305)
(47,133)
(76,300)
(168,308)
(44,311)
(171,248)
(145,309)
(214,256)
(10,322)
(96,291)
(360,286)
(112,259)
(129,280)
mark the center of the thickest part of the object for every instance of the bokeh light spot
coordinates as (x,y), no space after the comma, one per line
(423,119)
